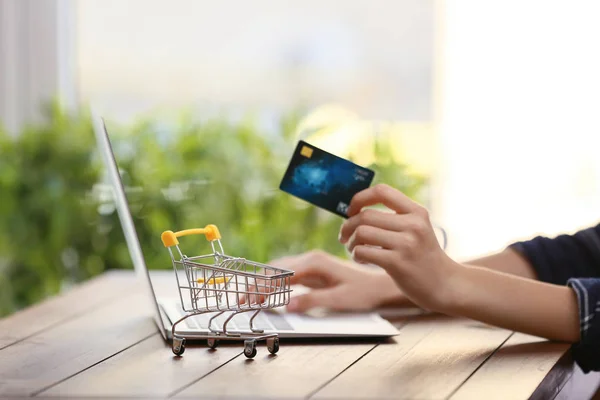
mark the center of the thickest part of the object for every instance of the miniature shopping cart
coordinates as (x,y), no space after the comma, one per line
(226,287)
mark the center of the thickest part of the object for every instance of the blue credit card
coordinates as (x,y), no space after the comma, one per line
(323,179)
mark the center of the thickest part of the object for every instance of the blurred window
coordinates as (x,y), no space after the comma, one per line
(374,58)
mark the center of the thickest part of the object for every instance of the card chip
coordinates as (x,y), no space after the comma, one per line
(306,151)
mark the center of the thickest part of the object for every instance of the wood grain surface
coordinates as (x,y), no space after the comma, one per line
(99,340)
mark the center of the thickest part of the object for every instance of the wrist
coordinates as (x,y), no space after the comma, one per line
(454,294)
(387,293)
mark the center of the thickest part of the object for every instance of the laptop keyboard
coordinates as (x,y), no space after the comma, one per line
(266,321)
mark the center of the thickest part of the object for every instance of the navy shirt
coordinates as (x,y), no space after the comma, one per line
(573,260)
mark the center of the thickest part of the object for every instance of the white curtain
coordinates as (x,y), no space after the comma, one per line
(36,58)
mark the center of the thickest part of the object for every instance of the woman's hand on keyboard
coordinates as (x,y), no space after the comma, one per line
(339,285)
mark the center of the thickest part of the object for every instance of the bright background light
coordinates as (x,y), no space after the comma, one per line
(519,126)
(499,101)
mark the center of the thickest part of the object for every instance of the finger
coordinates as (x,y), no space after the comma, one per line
(314,281)
(373,255)
(254,295)
(288,261)
(312,299)
(300,264)
(297,262)
(382,194)
(381,219)
(311,269)
(372,236)
(313,276)
(258,290)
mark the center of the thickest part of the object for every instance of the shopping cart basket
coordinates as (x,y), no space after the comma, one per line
(226,287)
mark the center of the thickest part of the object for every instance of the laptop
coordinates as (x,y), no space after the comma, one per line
(169,310)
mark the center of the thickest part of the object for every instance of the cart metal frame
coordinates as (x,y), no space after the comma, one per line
(220,284)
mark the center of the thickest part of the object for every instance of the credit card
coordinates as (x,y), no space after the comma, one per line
(324,179)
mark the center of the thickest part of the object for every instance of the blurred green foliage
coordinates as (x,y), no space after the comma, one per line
(58,225)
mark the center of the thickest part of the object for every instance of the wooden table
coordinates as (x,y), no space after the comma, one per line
(98,340)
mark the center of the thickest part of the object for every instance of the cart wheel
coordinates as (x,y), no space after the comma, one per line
(250,348)
(178,346)
(273,345)
(212,343)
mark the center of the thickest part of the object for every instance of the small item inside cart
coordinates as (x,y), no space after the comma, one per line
(220,284)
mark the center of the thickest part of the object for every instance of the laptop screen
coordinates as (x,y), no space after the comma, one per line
(133,244)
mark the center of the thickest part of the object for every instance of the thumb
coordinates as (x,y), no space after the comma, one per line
(312,299)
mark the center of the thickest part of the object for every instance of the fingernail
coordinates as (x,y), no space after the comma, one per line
(341,239)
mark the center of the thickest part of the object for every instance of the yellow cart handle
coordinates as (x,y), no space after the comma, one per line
(169,238)
(212,281)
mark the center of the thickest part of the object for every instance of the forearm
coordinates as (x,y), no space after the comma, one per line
(502,290)
(507,261)
(512,302)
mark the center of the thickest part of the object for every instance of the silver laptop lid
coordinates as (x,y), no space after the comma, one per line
(133,243)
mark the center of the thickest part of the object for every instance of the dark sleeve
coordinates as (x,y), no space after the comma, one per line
(558,259)
(587,352)
(573,260)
